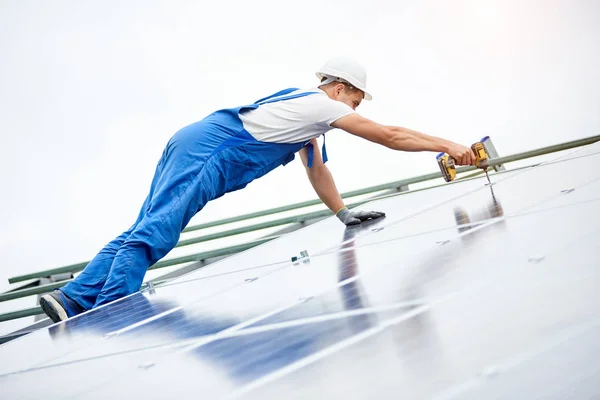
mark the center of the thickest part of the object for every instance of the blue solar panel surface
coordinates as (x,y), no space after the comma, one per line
(462,291)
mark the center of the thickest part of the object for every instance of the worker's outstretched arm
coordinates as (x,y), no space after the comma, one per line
(322,181)
(398,138)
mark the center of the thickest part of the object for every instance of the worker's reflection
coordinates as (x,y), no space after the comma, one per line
(353,295)
(158,326)
(144,306)
(492,210)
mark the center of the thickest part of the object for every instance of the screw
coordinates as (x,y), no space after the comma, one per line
(147,365)
(536,259)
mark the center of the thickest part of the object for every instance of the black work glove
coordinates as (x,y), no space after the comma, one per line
(356,217)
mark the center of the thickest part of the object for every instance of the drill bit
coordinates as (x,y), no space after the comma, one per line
(488,177)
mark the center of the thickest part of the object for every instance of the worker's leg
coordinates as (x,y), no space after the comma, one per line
(86,287)
(182,189)
(156,234)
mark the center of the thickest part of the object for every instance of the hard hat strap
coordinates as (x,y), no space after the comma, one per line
(329,78)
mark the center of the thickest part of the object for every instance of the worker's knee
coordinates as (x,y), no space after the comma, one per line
(155,243)
(162,243)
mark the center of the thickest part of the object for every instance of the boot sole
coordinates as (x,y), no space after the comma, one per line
(53,309)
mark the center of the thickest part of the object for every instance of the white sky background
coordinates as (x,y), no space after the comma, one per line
(91,91)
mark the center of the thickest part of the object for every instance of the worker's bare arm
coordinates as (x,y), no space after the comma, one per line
(321,179)
(398,138)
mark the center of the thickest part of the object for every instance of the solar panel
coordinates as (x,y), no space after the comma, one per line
(462,291)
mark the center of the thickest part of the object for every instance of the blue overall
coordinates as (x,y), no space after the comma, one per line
(201,162)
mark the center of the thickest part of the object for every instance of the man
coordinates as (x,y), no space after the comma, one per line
(224,152)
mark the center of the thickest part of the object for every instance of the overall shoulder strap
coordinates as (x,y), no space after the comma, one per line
(280,93)
(311,153)
(283,95)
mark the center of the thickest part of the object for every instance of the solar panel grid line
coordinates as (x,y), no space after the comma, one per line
(478,225)
(232,329)
(333,248)
(283,263)
(179,279)
(286,263)
(250,330)
(434,206)
(559,195)
(98,357)
(514,360)
(530,210)
(180,343)
(184,306)
(167,356)
(108,379)
(231,334)
(554,248)
(424,233)
(340,283)
(345,343)
(574,151)
(85,343)
(131,310)
(546,251)
(263,316)
(463,194)
(329,351)
(206,340)
(548,198)
(122,299)
(175,309)
(167,312)
(88,341)
(564,159)
(246,269)
(548,345)
(467,225)
(321,254)
(328,250)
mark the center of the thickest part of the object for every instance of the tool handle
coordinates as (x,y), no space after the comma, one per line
(481,157)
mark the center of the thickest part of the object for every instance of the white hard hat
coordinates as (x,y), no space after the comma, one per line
(348,70)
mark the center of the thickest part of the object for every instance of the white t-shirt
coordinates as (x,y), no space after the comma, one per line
(294,120)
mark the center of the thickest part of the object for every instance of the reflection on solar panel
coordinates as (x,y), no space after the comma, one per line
(463,291)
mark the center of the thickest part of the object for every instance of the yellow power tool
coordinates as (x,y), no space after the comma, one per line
(448,165)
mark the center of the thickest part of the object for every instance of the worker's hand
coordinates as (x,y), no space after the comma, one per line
(356,217)
(462,155)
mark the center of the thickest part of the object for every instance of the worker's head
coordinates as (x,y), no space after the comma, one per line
(345,80)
